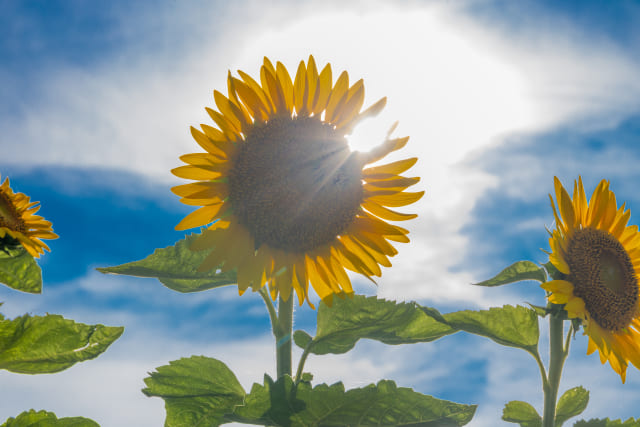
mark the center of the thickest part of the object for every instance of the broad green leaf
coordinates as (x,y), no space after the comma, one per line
(32,418)
(570,404)
(508,325)
(516,272)
(51,343)
(19,271)
(301,338)
(196,390)
(352,318)
(606,422)
(176,267)
(521,413)
(382,404)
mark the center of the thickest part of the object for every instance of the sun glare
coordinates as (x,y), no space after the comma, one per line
(449,88)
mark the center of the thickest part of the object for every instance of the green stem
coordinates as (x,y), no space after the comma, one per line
(557,356)
(272,310)
(301,363)
(283,336)
(543,372)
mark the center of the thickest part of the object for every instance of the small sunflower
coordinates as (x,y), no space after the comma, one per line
(18,223)
(598,255)
(286,202)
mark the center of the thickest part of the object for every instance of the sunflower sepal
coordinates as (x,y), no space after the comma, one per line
(553,272)
(20,271)
(557,310)
(516,272)
(32,417)
(540,310)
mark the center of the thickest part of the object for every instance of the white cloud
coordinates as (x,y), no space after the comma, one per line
(457,86)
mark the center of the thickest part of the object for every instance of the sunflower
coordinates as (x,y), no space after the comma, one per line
(285,201)
(19,225)
(598,255)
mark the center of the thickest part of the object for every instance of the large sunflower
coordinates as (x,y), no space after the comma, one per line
(286,202)
(18,223)
(598,255)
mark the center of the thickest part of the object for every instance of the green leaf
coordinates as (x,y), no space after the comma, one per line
(570,404)
(383,404)
(516,272)
(508,325)
(19,271)
(356,317)
(32,418)
(521,413)
(51,343)
(176,267)
(301,338)
(606,422)
(196,390)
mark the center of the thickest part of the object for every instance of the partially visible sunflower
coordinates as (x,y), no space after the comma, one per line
(18,223)
(287,203)
(598,255)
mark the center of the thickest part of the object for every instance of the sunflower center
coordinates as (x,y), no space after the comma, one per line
(9,216)
(603,276)
(295,184)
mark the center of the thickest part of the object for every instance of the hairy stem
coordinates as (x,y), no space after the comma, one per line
(283,332)
(557,356)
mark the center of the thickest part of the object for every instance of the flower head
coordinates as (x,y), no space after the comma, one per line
(598,255)
(285,201)
(18,223)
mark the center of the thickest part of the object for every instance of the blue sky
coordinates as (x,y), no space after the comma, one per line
(497,96)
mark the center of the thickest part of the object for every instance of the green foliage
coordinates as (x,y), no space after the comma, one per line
(521,413)
(19,271)
(606,422)
(196,390)
(32,418)
(203,391)
(350,319)
(570,404)
(47,344)
(382,404)
(516,272)
(508,325)
(176,267)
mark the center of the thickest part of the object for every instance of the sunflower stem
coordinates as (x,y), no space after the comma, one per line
(273,316)
(557,357)
(283,333)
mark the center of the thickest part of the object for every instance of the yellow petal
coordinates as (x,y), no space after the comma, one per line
(323,90)
(199,217)
(337,96)
(284,80)
(312,83)
(300,89)
(206,143)
(394,168)
(195,172)
(397,199)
